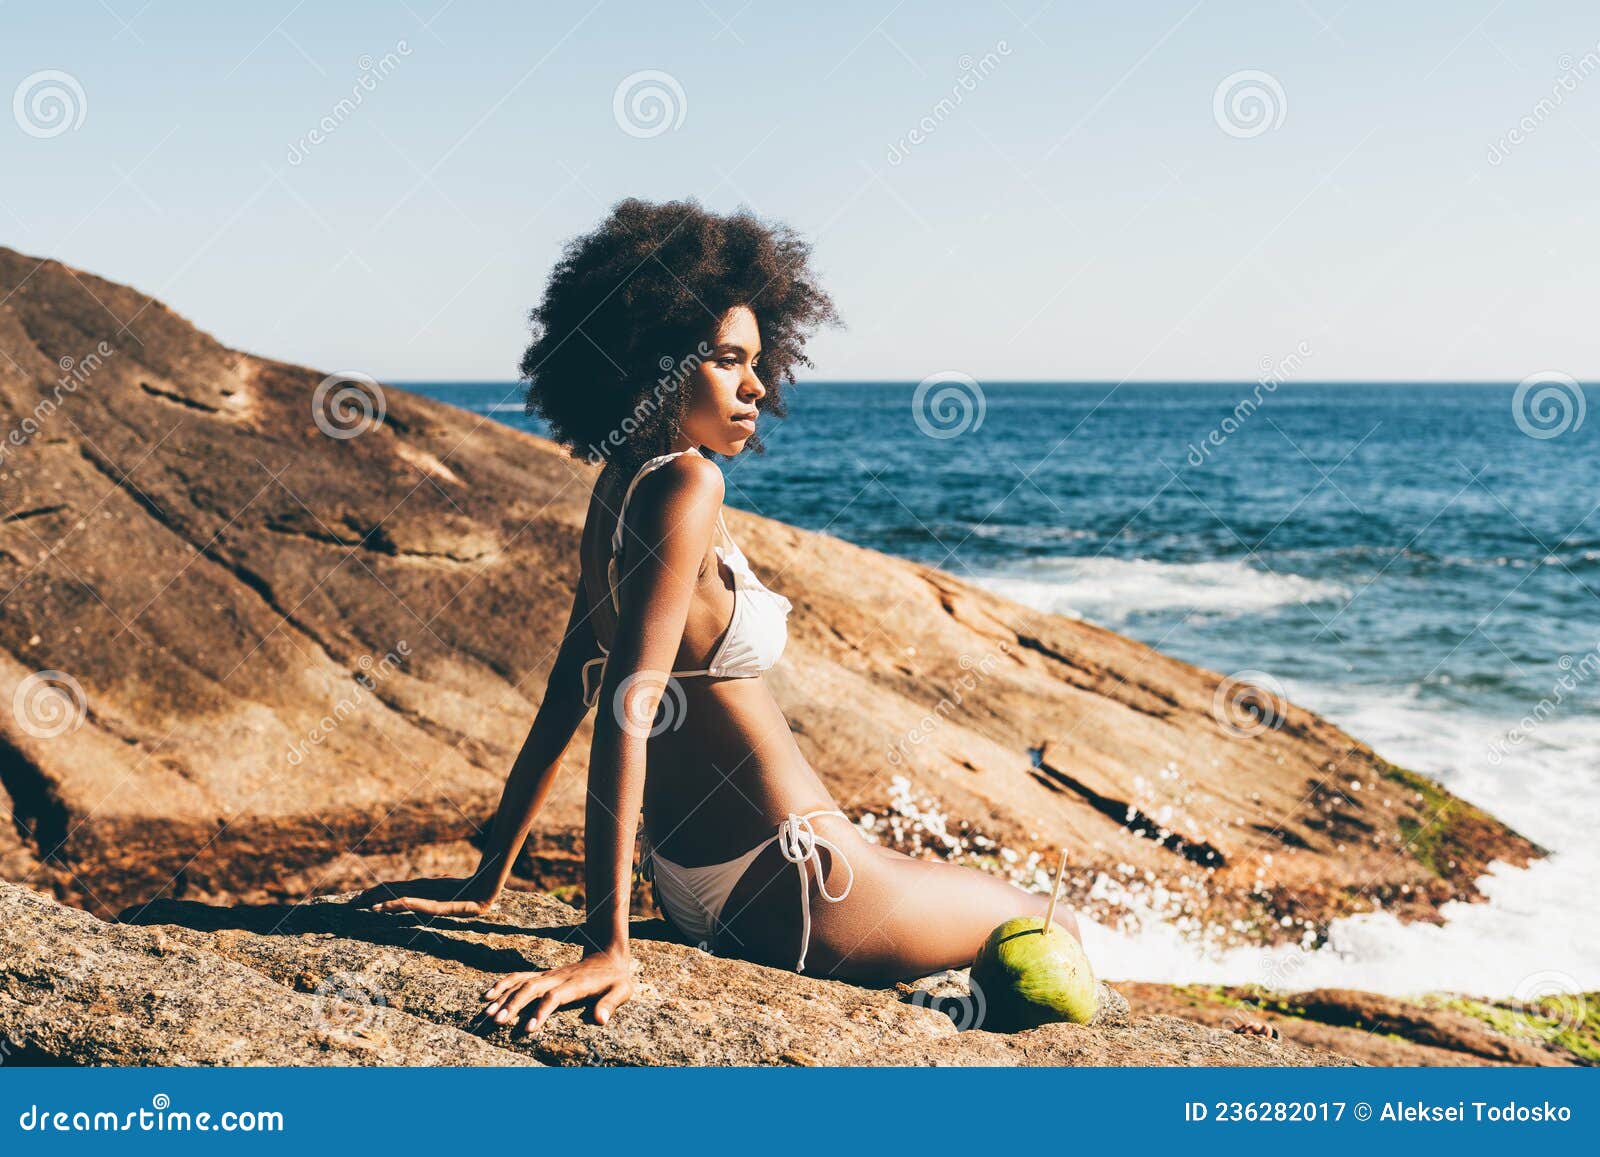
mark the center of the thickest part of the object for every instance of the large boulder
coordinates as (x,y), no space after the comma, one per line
(256,646)
(322,983)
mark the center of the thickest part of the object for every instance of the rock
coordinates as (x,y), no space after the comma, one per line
(323,983)
(1436,1029)
(79,991)
(281,646)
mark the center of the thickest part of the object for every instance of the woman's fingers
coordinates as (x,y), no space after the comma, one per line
(426,907)
(511,995)
(554,999)
(511,1007)
(441,896)
(607,1004)
(504,985)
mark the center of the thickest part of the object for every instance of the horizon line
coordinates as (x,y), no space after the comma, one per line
(1054,382)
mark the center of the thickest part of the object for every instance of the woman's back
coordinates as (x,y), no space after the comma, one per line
(723,764)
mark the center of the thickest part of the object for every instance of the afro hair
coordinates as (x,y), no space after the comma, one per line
(632,307)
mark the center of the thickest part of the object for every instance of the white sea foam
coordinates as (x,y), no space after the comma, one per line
(1538,921)
(1110,590)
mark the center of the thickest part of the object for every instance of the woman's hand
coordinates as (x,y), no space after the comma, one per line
(607,975)
(439,896)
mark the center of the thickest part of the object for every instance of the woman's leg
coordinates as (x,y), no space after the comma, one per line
(914,917)
(904,917)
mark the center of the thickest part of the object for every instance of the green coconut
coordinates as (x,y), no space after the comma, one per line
(1030,975)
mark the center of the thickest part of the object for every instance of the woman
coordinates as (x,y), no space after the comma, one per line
(662,335)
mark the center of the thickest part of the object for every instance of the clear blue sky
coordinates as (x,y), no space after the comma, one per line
(1082,212)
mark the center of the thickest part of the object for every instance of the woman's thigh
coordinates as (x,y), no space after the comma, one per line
(903,918)
(914,917)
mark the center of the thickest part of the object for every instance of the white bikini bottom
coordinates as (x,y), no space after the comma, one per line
(693,898)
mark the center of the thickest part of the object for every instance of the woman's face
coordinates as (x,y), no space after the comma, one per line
(724,388)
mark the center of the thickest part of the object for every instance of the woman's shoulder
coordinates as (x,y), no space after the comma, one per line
(689,473)
(684,491)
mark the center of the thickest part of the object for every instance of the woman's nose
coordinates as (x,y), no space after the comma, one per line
(752,384)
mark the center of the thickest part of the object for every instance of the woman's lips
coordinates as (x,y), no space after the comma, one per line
(748,422)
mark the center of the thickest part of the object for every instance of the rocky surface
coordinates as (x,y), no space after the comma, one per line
(322,983)
(1436,1029)
(295,660)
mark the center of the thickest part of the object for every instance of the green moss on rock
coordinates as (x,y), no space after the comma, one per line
(1569,1022)
(1449,836)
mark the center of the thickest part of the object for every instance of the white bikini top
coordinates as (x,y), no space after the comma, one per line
(756,634)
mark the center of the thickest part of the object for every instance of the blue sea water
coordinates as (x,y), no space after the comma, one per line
(1418,562)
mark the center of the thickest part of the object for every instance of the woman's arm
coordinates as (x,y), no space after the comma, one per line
(528,785)
(675,512)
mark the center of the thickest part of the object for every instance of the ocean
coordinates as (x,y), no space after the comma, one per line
(1419,563)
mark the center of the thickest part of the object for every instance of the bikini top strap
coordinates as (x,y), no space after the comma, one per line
(622,512)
